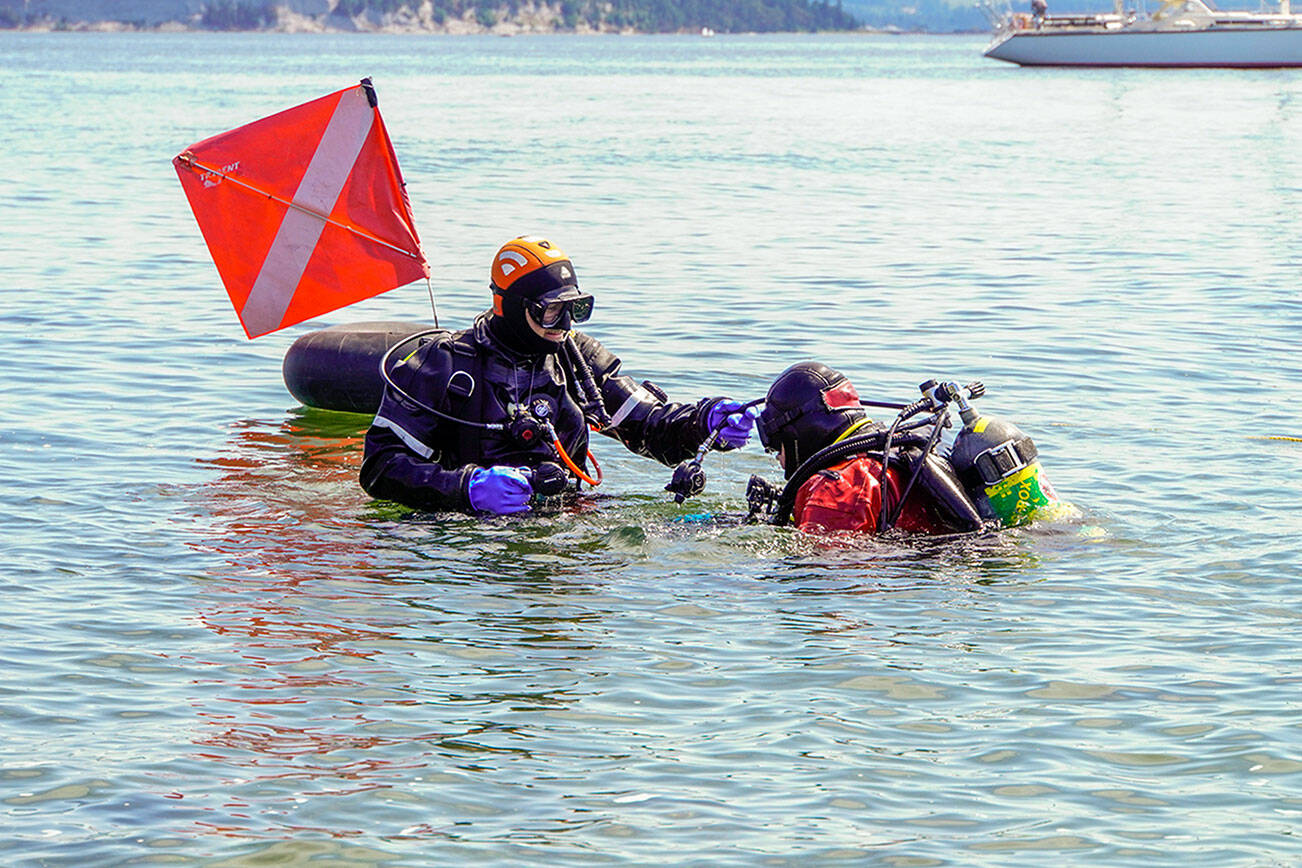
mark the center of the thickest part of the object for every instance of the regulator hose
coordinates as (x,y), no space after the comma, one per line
(884,521)
(593,408)
(384,372)
(578,471)
(917,471)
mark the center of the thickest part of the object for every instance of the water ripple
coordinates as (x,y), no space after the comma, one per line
(221,651)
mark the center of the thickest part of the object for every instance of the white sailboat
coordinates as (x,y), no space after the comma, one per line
(1182,33)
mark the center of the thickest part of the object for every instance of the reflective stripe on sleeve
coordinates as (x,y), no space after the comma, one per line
(631,403)
(405,436)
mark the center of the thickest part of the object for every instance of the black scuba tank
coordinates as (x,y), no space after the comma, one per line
(1000,469)
(338,368)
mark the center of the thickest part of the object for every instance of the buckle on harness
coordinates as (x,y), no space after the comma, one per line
(1002,461)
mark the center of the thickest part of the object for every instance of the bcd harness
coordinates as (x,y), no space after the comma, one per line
(469,401)
(909,452)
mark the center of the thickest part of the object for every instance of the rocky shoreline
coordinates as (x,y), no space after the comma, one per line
(294,16)
(299,16)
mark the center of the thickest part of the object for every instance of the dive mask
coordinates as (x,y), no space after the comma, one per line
(551,314)
(766,435)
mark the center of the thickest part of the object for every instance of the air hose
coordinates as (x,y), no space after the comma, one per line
(689,476)
(917,471)
(407,396)
(593,408)
(885,518)
(574,468)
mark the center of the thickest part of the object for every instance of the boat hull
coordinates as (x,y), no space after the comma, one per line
(1213,47)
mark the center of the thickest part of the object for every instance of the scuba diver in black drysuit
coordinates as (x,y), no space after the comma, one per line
(484,419)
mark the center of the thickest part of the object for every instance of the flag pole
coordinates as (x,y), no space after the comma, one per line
(194,165)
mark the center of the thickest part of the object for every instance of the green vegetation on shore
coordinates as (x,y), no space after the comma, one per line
(648,16)
(237,15)
(668,16)
(499,16)
(645,16)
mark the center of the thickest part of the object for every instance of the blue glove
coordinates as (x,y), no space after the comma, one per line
(736,423)
(500,490)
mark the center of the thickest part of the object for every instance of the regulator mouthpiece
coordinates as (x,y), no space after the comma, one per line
(761,496)
(548,479)
(688,480)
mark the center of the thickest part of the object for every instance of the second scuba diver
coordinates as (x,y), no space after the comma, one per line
(845,472)
(483,419)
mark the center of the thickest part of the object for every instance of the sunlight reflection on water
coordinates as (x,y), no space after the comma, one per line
(222,651)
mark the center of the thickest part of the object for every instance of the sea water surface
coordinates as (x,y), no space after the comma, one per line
(217,650)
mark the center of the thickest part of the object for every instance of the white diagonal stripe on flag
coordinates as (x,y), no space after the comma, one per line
(299,231)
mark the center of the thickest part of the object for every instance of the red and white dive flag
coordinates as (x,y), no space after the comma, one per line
(304,211)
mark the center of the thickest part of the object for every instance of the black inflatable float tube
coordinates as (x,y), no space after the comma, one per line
(338,368)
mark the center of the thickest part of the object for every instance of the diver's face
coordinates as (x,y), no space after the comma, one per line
(553,335)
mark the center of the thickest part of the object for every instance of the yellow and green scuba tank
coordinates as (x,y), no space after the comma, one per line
(1000,469)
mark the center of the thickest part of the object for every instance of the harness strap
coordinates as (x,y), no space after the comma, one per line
(465,393)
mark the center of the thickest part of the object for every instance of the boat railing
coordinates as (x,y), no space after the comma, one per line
(1098,20)
(1058,23)
(1003,19)
(1173,14)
